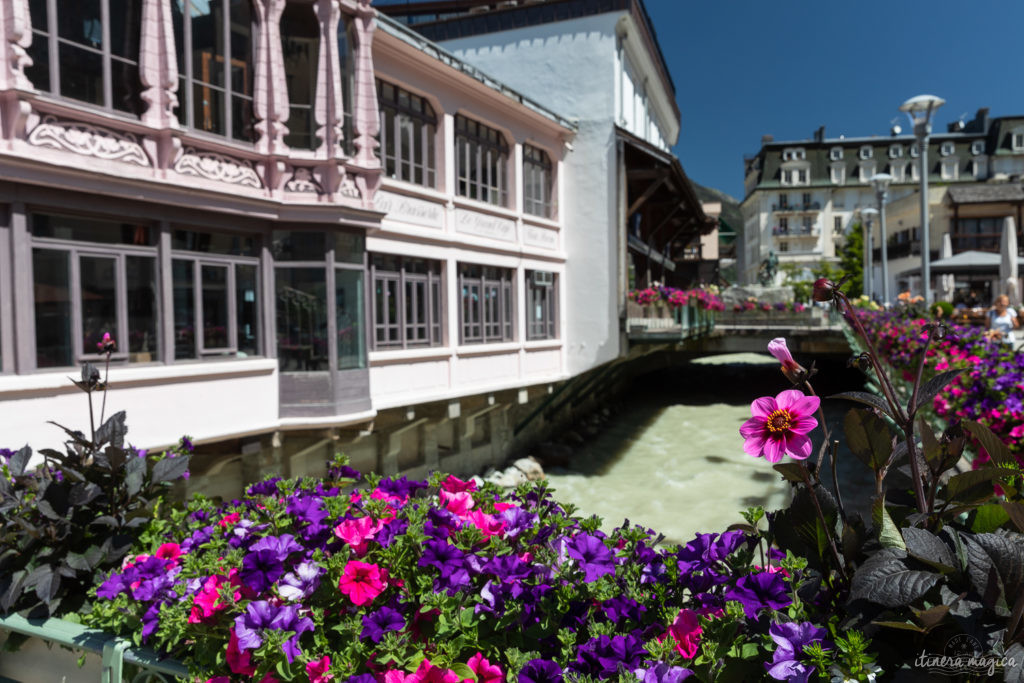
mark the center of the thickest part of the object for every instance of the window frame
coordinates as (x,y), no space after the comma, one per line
(544,168)
(433,282)
(835,154)
(51,34)
(226,91)
(471,138)
(547,327)
(199,260)
(423,135)
(866,152)
(896,151)
(946,148)
(119,253)
(505,307)
(977,147)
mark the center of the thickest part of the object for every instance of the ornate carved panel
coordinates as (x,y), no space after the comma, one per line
(217,167)
(303,180)
(81,138)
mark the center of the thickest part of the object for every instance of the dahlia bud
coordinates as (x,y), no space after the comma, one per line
(794,372)
(108,345)
(823,289)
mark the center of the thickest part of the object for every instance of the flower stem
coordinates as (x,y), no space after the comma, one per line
(106,376)
(883,378)
(821,517)
(835,479)
(824,429)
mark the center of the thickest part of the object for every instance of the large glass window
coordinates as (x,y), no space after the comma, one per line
(95,63)
(300,43)
(93,277)
(214,40)
(215,291)
(542,309)
(348,315)
(407,128)
(301,297)
(537,182)
(481,162)
(487,309)
(406,302)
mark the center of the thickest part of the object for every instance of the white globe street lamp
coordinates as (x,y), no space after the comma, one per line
(868,215)
(919,110)
(881,182)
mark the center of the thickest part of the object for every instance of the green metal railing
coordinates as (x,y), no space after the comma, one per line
(119,658)
(684,322)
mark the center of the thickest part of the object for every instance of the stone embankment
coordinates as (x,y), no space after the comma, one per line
(552,453)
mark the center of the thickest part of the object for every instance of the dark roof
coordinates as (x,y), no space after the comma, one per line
(983,194)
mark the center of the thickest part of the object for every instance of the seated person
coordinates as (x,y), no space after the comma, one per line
(1002,320)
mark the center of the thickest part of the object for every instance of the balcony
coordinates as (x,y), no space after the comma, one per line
(800,231)
(796,208)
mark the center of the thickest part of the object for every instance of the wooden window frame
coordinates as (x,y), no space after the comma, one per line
(431,285)
(487,319)
(546,296)
(481,163)
(538,171)
(405,161)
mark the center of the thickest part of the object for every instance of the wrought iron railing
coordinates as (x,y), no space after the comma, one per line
(119,658)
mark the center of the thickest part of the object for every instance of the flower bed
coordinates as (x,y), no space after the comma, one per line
(990,390)
(704,298)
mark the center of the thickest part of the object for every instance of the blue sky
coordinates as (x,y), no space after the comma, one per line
(745,68)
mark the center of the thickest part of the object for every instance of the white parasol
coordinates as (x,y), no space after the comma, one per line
(947,282)
(1008,262)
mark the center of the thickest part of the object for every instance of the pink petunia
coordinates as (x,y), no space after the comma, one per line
(489,525)
(395,676)
(780,425)
(239,661)
(320,670)
(430,673)
(357,532)
(458,503)
(361,582)
(484,670)
(229,520)
(207,601)
(455,485)
(686,631)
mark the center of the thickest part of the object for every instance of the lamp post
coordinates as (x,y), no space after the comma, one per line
(881,182)
(919,110)
(868,215)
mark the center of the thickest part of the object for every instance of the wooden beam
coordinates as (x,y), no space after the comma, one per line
(651,189)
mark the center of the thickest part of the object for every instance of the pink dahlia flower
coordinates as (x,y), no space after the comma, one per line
(780,425)
(793,371)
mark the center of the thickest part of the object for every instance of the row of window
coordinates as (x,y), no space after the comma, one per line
(79,55)
(95,276)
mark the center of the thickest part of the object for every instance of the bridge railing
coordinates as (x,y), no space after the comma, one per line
(812,316)
(666,321)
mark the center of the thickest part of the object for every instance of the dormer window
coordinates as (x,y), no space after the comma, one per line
(835,154)
(895,151)
(978,147)
(915,151)
(946,148)
(866,152)
(1017,140)
(794,154)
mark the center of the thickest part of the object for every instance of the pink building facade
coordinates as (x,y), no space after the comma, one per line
(298,227)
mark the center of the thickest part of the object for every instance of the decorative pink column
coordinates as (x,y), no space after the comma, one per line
(365,114)
(329,107)
(158,71)
(17,29)
(270,92)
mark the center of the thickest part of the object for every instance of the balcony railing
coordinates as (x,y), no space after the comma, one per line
(808,206)
(799,231)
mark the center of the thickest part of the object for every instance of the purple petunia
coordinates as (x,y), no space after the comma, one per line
(791,638)
(660,672)
(260,569)
(605,656)
(540,671)
(757,591)
(299,584)
(379,622)
(707,549)
(592,556)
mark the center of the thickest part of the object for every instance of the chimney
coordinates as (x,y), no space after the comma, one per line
(819,135)
(765,139)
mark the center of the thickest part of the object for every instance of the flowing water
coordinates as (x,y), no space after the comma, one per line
(673,459)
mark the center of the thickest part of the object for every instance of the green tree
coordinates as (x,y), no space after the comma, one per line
(851,260)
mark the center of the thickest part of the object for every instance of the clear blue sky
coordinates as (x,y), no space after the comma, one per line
(745,68)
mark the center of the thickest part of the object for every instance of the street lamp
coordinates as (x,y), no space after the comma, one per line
(881,182)
(868,215)
(919,110)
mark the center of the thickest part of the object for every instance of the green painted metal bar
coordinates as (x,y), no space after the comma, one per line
(114,650)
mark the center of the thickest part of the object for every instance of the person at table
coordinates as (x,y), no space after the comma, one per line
(1002,320)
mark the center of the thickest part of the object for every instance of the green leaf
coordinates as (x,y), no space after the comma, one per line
(868,437)
(976,485)
(888,533)
(464,671)
(988,518)
(998,450)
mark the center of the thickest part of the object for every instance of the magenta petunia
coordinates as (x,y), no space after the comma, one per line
(780,425)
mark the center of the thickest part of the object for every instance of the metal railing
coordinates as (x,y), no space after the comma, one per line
(119,657)
(683,322)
